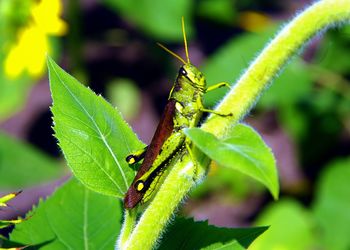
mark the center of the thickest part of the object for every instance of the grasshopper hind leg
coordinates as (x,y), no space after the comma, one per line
(136,156)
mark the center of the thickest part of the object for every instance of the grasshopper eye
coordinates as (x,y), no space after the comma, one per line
(182,71)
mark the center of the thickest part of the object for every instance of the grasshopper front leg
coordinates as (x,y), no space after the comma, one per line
(211,88)
(217,86)
(215,112)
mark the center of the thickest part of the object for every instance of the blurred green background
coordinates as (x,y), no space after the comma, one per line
(110,46)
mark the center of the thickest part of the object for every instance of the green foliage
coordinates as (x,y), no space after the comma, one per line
(21,165)
(73,217)
(14,15)
(288,90)
(13,92)
(333,48)
(188,234)
(123,94)
(224,182)
(92,134)
(95,140)
(242,150)
(229,61)
(332,206)
(159,18)
(291,227)
(286,94)
(12,95)
(217,10)
(292,85)
(5,223)
(5,243)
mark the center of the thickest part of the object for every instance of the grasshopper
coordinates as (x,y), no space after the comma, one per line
(184,109)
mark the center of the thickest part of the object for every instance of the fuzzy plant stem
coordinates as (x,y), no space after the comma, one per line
(316,18)
(152,222)
(128,226)
(288,42)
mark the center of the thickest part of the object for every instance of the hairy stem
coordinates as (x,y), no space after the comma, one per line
(318,17)
(128,226)
(238,101)
(176,185)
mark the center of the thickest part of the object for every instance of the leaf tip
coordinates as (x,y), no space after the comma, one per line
(49,61)
(275,191)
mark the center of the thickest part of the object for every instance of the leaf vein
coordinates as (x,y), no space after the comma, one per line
(96,125)
(96,162)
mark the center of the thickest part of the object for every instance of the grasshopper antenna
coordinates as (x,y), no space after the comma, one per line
(185,43)
(171,53)
(185,39)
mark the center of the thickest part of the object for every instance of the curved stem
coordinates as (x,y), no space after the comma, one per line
(175,187)
(316,18)
(128,226)
(238,101)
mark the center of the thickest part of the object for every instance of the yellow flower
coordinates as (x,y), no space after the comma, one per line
(29,52)
(46,16)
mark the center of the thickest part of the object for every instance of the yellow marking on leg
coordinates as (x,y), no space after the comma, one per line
(136,156)
(140,186)
(131,160)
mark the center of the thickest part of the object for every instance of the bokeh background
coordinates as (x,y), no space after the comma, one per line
(110,45)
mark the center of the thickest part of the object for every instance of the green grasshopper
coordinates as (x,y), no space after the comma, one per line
(183,110)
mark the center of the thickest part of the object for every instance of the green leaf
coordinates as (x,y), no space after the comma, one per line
(7,244)
(243,150)
(159,18)
(188,234)
(92,134)
(332,205)
(291,227)
(22,165)
(233,245)
(72,218)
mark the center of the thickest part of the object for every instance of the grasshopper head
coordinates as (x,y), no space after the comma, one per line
(188,71)
(193,74)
